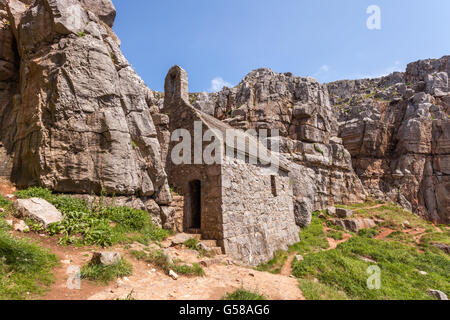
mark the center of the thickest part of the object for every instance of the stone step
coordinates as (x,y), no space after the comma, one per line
(210,243)
(217,251)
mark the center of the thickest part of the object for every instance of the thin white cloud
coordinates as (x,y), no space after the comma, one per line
(396,66)
(323,69)
(218,83)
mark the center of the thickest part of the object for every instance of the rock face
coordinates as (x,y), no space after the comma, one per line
(299,108)
(397,129)
(38,210)
(75,118)
(106,258)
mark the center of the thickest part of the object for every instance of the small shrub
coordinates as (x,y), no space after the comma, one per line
(162,261)
(192,244)
(368,233)
(105,274)
(102,225)
(34,192)
(187,270)
(242,294)
(336,235)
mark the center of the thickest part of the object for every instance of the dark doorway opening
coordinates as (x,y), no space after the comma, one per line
(195,204)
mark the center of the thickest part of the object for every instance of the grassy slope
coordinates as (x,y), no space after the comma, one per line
(25,268)
(342,273)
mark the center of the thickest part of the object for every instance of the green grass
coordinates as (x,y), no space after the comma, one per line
(192,244)
(242,295)
(100,225)
(317,291)
(24,268)
(105,274)
(274,266)
(162,261)
(336,235)
(312,238)
(368,233)
(5,203)
(343,270)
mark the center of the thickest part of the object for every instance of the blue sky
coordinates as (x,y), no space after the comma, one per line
(220,41)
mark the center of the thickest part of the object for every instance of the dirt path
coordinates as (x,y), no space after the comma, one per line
(148,283)
(221,278)
(286,270)
(385,233)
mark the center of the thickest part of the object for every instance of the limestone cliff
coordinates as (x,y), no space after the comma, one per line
(397,129)
(299,108)
(74,116)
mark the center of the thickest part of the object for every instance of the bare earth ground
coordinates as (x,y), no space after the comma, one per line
(148,283)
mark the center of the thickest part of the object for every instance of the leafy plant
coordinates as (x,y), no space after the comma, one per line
(242,294)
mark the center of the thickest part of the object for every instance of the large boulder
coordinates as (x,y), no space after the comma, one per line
(39,210)
(106,258)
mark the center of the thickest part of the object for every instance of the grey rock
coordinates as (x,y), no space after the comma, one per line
(104,9)
(21,226)
(355,225)
(106,258)
(442,246)
(39,210)
(344,213)
(331,211)
(437,294)
(180,238)
(102,134)
(374,115)
(299,258)
(173,275)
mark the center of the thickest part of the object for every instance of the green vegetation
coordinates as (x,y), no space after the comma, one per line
(100,225)
(105,274)
(242,295)
(336,235)
(192,244)
(25,268)
(317,148)
(4,203)
(368,233)
(163,262)
(342,273)
(344,270)
(274,266)
(81,34)
(314,290)
(312,238)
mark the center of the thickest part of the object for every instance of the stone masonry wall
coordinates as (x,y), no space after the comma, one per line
(255,222)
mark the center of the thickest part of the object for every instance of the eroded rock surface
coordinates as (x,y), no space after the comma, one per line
(75,118)
(397,129)
(299,108)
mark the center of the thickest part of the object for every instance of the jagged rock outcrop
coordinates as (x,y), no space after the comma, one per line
(299,108)
(397,129)
(75,117)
